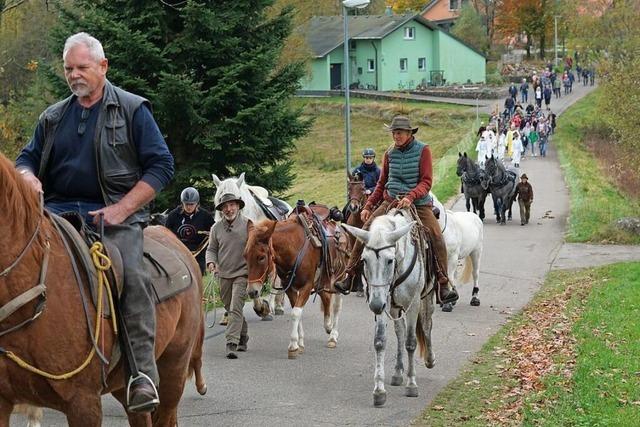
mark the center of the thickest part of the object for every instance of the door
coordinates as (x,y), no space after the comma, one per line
(336,76)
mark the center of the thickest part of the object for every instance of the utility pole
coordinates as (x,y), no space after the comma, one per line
(555,36)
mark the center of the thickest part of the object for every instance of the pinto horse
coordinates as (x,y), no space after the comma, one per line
(401,283)
(282,248)
(59,339)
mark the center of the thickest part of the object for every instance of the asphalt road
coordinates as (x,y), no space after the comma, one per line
(327,387)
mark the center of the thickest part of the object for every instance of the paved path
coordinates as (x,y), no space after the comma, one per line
(333,387)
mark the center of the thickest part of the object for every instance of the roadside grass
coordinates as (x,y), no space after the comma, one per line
(320,156)
(582,368)
(596,202)
(605,387)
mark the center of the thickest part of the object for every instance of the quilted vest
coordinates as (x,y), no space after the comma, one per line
(404,171)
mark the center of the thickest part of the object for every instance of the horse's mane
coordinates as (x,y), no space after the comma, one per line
(19,203)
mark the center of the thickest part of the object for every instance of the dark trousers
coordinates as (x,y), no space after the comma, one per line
(136,303)
(428,220)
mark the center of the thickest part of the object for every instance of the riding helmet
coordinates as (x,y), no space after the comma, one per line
(190,195)
(369,152)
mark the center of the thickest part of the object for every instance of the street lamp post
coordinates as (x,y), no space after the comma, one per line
(555,37)
(346,5)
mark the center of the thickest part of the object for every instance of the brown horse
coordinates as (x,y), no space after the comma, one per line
(282,247)
(357,195)
(59,340)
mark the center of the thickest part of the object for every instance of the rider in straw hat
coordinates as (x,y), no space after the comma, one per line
(406,178)
(225,257)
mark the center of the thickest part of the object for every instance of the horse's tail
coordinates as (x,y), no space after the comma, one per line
(422,343)
(195,362)
(467,272)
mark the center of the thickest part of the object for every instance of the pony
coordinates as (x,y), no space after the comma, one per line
(282,248)
(400,282)
(255,213)
(64,330)
(471,175)
(502,184)
(463,235)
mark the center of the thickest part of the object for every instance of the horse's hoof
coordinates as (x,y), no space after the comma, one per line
(300,349)
(396,380)
(202,389)
(475,302)
(447,308)
(267,318)
(279,311)
(292,354)
(430,364)
(331,344)
(379,398)
(411,391)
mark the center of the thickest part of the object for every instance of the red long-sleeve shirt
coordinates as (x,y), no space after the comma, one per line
(421,190)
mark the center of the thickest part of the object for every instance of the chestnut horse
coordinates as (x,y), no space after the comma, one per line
(282,247)
(357,195)
(58,341)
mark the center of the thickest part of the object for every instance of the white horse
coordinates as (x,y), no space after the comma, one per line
(463,234)
(254,212)
(396,275)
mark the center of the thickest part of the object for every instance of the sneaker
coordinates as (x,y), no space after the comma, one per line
(231,350)
(225,319)
(242,345)
(143,396)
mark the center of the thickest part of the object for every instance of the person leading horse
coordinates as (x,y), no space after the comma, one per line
(406,179)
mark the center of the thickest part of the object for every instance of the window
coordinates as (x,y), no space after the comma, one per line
(409,33)
(454,4)
(352,45)
(422,64)
(371,65)
(404,64)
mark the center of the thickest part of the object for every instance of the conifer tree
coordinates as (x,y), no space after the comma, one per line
(211,72)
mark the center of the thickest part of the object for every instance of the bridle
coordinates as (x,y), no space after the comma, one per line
(357,200)
(269,272)
(37,291)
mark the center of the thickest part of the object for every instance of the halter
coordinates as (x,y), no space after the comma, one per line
(271,267)
(359,200)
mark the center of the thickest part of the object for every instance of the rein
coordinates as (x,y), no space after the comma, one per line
(270,268)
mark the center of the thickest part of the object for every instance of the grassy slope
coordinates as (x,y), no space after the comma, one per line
(595,201)
(604,387)
(320,157)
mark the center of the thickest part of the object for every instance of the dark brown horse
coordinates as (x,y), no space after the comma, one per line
(58,341)
(282,247)
(357,195)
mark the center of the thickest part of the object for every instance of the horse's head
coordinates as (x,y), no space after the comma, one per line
(491,166)
(380,255)
(229,185)
(485,181)
(259,255)
(463,164)
(356,193)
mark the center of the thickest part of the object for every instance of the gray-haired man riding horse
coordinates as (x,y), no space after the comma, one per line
(406,179)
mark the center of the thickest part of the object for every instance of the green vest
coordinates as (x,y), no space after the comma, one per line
(404,171)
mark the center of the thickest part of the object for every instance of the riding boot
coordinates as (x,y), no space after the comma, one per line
(137,308)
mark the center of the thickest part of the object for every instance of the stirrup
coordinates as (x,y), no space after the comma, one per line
(150,404)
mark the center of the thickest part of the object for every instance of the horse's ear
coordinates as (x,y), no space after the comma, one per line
(271,227)
(216,180)
(465,154)
(487,157)
(459,154)
(240,180)
(349,176)
(358,233)
(394,236)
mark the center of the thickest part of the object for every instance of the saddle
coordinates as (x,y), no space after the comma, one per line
(325,234)
(169,274)
(274,209)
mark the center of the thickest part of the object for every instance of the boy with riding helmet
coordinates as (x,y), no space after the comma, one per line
(406,178)
(368,170)
(191,223)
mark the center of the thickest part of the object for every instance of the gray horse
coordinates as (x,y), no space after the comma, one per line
(502,184)
(472,176)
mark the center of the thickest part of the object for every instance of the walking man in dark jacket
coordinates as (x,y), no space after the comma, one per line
(524,193)
(100,152)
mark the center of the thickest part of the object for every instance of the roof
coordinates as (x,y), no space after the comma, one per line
(325,33)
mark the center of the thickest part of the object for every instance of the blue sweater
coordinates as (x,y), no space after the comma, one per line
(72,170)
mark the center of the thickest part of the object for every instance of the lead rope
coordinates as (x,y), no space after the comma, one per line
(102,264)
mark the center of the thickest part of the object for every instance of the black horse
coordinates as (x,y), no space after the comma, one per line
(502,184)
(472,176)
